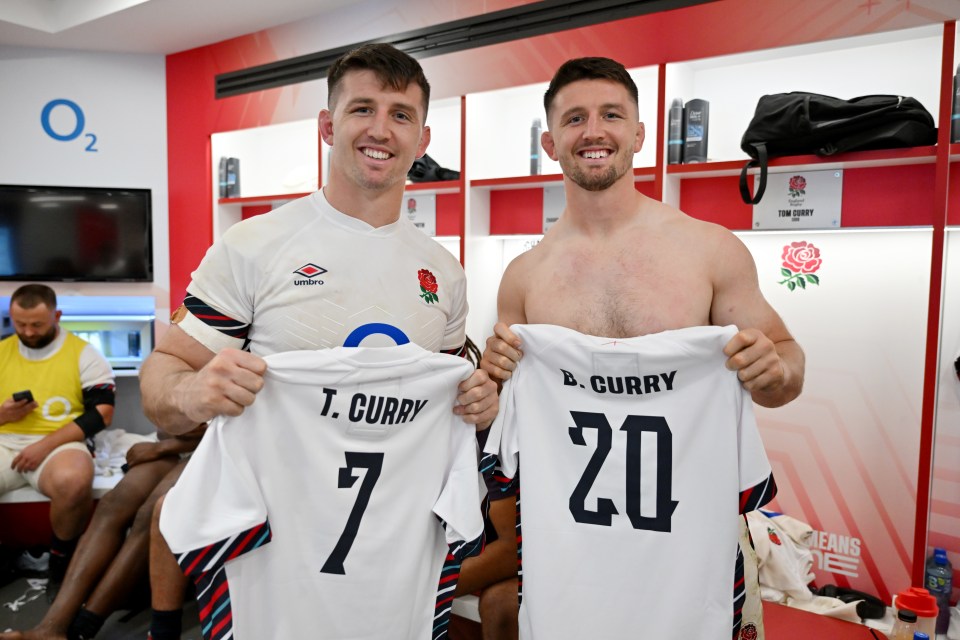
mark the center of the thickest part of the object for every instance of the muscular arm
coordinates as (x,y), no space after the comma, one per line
(768,361)
(183,384)
(503,348)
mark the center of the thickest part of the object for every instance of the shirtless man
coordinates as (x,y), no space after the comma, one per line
(632,265)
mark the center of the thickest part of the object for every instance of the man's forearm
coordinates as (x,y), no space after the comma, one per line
(69,432)
(497,562)
(793,362)
(162,379)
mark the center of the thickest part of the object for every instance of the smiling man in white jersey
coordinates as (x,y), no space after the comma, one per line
(633,266)
(339,267)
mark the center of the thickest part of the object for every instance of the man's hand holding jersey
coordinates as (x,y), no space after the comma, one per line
(225,385)
(230,381)
(502,354)
(478,403)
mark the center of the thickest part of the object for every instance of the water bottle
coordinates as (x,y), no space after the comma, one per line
(939,582)
(905,626)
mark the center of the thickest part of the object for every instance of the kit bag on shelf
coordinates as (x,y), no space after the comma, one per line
(799,123)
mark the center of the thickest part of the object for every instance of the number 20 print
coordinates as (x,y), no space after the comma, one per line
(635,427)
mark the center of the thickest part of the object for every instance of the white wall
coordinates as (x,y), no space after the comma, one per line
(123,101)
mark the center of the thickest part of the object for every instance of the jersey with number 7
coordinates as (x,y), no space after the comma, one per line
(637,454)
(338,505)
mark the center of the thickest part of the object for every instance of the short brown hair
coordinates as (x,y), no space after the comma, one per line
(30,295)
(393,67)
(589,69)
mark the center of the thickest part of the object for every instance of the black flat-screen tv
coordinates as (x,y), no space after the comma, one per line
(75,234)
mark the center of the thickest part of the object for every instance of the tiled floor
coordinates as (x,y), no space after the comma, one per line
(126,625)
(123,625)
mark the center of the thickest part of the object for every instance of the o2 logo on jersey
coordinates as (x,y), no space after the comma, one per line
(57,117)
(635,427)
(373,329)
(56,408)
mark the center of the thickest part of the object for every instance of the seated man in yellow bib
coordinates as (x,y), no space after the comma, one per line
(56,391)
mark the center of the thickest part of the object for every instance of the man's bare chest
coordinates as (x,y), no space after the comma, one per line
(622,294)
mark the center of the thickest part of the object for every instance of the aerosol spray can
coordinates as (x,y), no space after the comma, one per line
(675,133)
(535,147)
(955,119)
(696,121)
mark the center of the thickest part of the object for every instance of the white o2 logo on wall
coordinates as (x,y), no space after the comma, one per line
(63,120)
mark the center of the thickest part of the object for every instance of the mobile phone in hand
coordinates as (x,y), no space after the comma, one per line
(23,395)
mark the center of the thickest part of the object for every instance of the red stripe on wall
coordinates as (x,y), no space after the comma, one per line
(449,216)
(252,210)
(889,196)
(193,114)
(716,200)
(516,211)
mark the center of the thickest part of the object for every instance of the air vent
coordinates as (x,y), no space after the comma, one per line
(529,20)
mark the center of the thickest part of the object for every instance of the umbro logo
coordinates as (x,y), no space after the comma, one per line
(309,271)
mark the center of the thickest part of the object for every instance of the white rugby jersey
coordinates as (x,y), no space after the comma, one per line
(317,512)
(638,454)
(306,276)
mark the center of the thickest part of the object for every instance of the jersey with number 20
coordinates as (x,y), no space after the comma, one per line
(637,455)
(338,505)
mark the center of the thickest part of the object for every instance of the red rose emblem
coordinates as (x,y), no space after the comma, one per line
(798,183)
(801,257)
(428,286)
(774,538)
(427,280)
(748,632)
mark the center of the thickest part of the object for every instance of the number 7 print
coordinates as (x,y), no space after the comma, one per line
(373,463)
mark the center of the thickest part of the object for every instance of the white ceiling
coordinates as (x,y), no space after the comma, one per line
(145,26)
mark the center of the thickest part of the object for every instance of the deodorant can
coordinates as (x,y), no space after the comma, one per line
(233,177)
(222,177)
(535,147)
(955,117)
(696,120)
(675,132)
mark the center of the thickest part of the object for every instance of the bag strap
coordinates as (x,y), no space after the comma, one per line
(761,182)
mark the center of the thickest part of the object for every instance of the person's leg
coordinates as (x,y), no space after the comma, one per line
(499,609)
(98,547)
(9,479)
(133,561)
(66,477)
(167,584)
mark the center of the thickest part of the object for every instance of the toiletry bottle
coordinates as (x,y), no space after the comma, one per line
(675,133)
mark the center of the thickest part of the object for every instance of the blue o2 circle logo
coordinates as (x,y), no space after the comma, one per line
(375,328)
(79,120)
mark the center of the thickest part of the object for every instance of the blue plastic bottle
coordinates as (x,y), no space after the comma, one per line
(938,579)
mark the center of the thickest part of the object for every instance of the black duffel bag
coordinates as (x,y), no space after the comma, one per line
(800,123)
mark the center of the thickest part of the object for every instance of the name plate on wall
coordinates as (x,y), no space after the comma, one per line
(421,210)
(801,200)
(554,202)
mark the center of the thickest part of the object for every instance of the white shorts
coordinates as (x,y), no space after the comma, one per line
(11,444)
